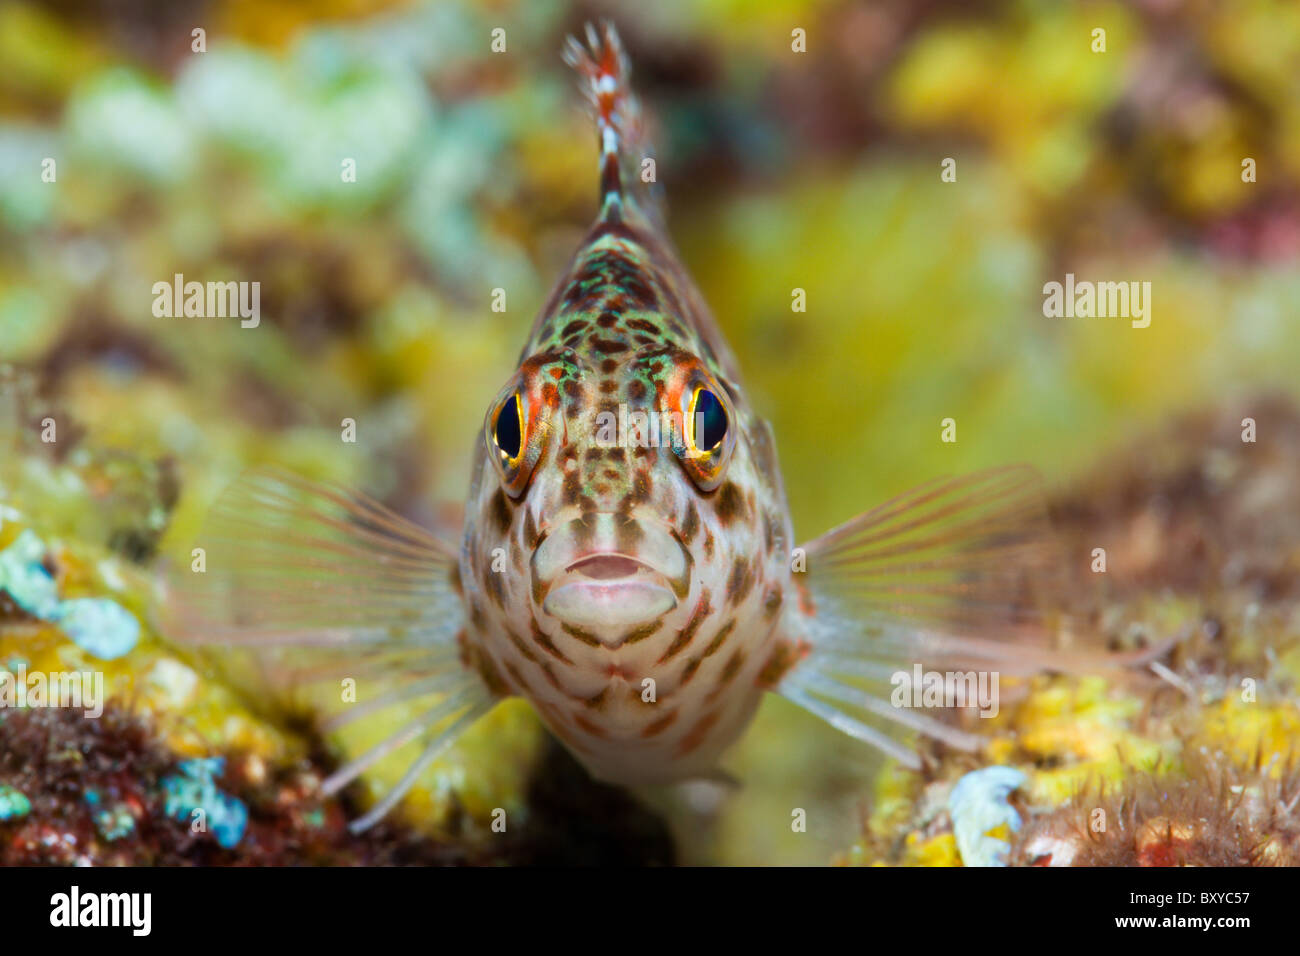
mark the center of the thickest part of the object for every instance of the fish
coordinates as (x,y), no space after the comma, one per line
(628,563)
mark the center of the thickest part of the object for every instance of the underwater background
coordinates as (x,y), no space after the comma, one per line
(817,170)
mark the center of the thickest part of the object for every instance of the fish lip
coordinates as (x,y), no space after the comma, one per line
(606,566)
(582,577)
(608,608)
(659,550)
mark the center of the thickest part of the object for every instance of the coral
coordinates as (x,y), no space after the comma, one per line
(981,816)
(1213,813)
(1192,762)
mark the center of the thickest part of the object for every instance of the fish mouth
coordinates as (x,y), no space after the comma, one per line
(583,578)
(607,566)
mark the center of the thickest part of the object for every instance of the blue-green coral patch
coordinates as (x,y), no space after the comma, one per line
(193,797)
(14,804)
(99,626)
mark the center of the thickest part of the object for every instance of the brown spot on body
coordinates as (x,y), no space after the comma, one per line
(571,488)
(521,683)
(695,736)
(772,601)
(496,589)
(595,730)
(576,396)
(544,642)
(783,657)
(607,346)
(499,509)
(627,534)
(642,488)
(687,633)
(690,523)
(660,725)
(806,603)
(731,503)
(642,632)
(719,638)
(580,635)
(643,325)
(487,669)
(520,646)
(741,581)
(607,320)
(585,529)
(731,668)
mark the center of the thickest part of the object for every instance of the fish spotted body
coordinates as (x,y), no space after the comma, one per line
(647,697)
(635,583)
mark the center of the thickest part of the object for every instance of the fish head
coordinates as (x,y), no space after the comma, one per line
(624,496)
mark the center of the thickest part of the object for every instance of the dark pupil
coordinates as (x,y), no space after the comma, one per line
(508,432)
(710,420)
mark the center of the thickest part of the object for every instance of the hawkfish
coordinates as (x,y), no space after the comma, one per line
(640,586)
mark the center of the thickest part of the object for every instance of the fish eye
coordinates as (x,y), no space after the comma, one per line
(708,438)
(508,431)
(514,433)
(709,420)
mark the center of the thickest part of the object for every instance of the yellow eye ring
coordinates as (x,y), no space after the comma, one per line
(508,430)
(708,436)
(514,434)
(706,421)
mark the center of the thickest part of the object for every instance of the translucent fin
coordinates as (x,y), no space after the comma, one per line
(309,591)
(958,575)
(606,75)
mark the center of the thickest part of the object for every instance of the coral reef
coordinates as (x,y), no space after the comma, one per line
(1191,762)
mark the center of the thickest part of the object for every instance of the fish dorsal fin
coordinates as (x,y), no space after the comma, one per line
(605,71)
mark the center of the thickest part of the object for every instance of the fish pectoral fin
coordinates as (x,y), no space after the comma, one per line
(958,573)
(307,594)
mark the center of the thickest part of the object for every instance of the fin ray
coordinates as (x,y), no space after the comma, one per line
(950,574)
(306,585)
(606,72)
